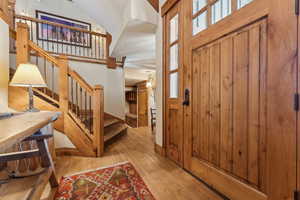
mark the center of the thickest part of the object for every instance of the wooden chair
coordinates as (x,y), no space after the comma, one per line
(153,118)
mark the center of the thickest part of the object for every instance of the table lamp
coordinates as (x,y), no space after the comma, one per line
(28,75)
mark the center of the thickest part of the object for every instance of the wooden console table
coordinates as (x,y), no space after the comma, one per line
(26,127)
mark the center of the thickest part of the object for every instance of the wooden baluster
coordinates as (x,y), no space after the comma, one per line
(46,40)
(52,81)
(42,32)
(81,109)
(77,103)
(45,73)
(85,109)
(72,94)
(98,119)
(63,84)
(108,42)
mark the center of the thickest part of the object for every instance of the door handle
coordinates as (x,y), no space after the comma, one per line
(186,101)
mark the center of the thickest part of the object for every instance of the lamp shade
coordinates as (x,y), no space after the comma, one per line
(28,75)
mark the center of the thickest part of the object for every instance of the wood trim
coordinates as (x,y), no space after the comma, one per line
(160,150)
(60,25)
(167,6)
(81,81)
(42,53)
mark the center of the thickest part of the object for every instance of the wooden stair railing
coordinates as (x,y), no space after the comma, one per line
(81,104)
(81,44)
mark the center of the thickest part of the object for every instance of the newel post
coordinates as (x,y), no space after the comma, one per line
(63,83)
(98,119)
(22,43)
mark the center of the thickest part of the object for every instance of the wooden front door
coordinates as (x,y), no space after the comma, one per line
(240,61)
(173,83)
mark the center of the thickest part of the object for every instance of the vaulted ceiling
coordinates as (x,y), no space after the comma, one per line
(132,24)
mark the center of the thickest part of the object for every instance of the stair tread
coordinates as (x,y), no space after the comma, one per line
(114,131)
(110,121)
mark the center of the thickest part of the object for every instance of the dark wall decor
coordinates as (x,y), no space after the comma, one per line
(58,34)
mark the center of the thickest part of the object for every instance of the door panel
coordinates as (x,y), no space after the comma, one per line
(240,129)
(229,105)
(173,85)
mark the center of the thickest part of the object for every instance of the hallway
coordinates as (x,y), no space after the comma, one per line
(164,179)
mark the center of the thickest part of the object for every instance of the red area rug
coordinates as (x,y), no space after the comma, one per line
(118,182)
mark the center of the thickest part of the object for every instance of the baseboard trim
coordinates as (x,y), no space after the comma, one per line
(159,150)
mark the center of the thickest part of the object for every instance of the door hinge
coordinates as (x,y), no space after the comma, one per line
(296,103)
(297,7)
(296,195)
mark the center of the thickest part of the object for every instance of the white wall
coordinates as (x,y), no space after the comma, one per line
(159,81)
(4,65)
(59,7)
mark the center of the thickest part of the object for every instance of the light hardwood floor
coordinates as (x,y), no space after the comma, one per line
(164,178)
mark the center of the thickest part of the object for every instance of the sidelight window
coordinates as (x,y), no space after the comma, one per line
(174,56)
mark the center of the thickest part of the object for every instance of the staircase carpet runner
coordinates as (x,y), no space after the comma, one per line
(118,182)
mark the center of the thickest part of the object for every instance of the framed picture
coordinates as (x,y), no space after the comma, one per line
(56,34)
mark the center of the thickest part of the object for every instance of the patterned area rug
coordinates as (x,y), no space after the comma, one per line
(118,182)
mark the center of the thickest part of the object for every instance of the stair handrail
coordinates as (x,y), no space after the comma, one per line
(96,133)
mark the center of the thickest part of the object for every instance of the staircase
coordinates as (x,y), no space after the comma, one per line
(83,121)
